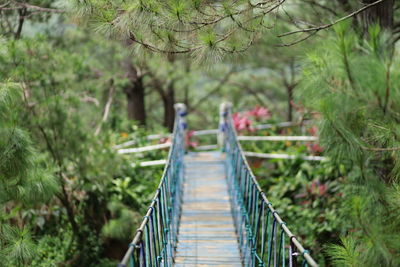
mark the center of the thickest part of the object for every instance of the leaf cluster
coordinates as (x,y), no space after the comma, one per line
(352,83)
(201,28)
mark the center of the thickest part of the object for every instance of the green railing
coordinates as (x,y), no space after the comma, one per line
(155,240)
(264,239)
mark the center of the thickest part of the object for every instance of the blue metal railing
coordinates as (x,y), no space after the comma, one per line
(155,240)
(264,239)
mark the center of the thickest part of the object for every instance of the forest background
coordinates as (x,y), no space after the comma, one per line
(72,87)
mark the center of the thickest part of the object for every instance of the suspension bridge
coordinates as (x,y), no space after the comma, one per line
(209,210)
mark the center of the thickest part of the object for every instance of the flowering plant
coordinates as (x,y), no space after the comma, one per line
(242,121)
(259,113)
(315,148)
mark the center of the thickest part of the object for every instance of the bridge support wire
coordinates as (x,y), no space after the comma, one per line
(264,239)
(155,240)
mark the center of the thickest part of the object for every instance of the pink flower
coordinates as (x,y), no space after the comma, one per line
(315,148)
(259,113)
(164,140)
(189,142)
(313,187)
(193,144)
(317,188)
(241,122)
(190,133)
(313,130)
(322,189)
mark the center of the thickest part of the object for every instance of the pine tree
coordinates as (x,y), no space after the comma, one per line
(353,84)
(24,180)
(201,28)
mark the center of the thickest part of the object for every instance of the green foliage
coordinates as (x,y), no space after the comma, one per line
(351,82)
(66,196)
(121,226)
(24,179)
(51,93)
(51,249)
(345,255)
(198,27)
(17,247)
(307,194)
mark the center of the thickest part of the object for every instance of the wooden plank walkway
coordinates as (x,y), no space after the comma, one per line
(207,234)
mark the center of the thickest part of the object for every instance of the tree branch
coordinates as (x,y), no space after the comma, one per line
(41,9)
(213,91)
(251,91)
(4,5)
(322,27)
(106,107)
(22,13)
(297,41)
(20,6)
(315,3)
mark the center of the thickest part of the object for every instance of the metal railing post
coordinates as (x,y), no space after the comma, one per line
(224,110)
(181,113)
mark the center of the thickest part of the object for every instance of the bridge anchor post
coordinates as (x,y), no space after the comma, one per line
(224,110)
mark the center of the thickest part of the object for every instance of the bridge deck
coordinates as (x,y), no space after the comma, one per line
(206,234)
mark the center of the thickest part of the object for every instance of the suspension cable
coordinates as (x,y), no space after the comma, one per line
(261,231)
(155,240)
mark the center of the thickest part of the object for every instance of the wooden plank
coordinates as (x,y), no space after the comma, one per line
(207,147)
(207,234)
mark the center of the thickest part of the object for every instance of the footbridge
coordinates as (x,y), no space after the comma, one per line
(209,210)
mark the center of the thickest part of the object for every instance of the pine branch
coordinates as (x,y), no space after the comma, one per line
(297,41)
(322,27)
(381,148)
(20,6)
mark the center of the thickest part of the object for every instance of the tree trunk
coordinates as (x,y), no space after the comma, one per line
(136,105)
(381,13)
(22,13)
(289,90)
(290,83)
(169,110)
(135,93)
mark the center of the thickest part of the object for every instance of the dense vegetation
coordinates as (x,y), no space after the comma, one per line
(79,77)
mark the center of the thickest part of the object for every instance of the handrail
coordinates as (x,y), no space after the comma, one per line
(216,131)
(252,211)
(282,156)
(155,240)
(277,138)
(143,148)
